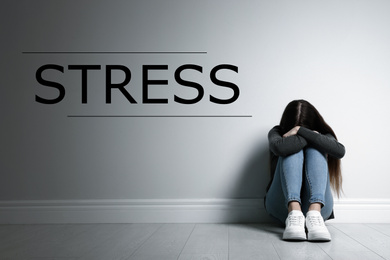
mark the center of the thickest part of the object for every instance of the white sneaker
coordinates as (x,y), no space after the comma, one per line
(295,226)
(316,228)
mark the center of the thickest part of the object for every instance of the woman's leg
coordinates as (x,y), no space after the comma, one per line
(286,186)
(316,183)
(284,192)
(316,195)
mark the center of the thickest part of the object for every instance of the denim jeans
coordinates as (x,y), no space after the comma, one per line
(301,177)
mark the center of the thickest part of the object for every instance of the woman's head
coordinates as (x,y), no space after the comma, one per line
(302,113)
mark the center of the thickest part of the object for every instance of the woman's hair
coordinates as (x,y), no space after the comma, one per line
(302,113)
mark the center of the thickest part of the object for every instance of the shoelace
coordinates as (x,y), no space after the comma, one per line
(316,221)
(295,220)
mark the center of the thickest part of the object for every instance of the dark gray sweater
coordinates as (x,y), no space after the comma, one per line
(284,146)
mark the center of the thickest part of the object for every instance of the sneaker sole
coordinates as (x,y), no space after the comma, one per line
(294,236)
(318,237)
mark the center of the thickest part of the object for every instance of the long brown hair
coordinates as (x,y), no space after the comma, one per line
(302,113)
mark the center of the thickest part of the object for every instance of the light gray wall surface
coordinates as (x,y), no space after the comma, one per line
(335,54)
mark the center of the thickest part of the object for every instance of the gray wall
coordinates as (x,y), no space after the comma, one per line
(333,53)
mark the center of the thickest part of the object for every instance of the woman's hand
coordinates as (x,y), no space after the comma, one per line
(293,131)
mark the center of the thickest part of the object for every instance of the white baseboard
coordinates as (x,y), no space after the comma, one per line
(362,211)
(173,211)
(133,211)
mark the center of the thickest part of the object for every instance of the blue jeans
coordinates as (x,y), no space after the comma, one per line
(301,177)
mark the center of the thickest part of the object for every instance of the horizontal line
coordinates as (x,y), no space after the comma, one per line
(102,116)
(132,202)
(114,52)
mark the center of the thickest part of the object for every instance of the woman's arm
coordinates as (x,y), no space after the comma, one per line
(284,146)
(324,143)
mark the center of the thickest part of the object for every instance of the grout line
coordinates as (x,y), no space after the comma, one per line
(228,241)
(273,245)
(367,225)
(97,245)
(326,253)
(188,238)
(141,244)
(358,241)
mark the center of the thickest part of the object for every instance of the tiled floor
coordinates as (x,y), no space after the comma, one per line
(187,241)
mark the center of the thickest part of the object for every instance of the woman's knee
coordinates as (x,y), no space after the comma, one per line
(311,151)
(315,158)
(299,156)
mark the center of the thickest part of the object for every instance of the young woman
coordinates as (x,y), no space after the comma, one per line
(305,164)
